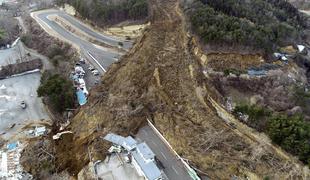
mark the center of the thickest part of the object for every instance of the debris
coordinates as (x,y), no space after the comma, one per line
(143,158)
(39,131)
(12,146)
(301,48)
(58,135)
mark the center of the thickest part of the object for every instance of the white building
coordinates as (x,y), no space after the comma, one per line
(142,157)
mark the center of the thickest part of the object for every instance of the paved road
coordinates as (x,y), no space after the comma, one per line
(173,167)
(104,56)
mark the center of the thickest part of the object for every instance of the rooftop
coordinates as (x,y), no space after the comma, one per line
(141,153)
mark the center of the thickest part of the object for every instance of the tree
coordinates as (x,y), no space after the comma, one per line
(292,134)
(59,91)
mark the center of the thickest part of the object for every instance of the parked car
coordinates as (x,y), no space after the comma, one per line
(95,72)
(91,68)
(82,61)
(23,105)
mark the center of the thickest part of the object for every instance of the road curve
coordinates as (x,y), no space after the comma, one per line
(100,57)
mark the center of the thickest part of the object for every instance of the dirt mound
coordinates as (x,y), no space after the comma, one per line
(160,79)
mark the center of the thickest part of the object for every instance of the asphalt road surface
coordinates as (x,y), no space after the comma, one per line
(103,56)
(174,169)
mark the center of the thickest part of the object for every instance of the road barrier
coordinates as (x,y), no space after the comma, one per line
(190,171)
(96,61)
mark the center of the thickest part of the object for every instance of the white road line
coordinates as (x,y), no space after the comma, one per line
(175,171)
(96,61)
(163,155)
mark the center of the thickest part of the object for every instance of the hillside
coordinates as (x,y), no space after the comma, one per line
(104,13)
(260,24)
(301,4)
(161,79)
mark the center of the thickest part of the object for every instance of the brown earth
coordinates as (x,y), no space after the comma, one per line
(162,80)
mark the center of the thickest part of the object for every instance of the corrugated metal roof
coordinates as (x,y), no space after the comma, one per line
(115,139)
(129,143)
(142,154)
(145,151)
(150,170)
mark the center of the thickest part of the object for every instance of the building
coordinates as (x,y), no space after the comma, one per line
(140,155)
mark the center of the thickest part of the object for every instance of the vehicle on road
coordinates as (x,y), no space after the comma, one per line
(95,72)
(82,61)
(23,105)
(91,68)
(159,163)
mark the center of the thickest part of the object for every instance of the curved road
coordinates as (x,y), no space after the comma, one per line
(100,57)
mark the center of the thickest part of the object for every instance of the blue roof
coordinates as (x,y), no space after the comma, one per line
(12,146)
(81,97)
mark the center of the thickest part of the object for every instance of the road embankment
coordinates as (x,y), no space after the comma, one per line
(12,69)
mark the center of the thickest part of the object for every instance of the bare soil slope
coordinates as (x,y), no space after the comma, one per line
(160,79)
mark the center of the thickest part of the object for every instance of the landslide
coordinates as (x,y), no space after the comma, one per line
(161,79)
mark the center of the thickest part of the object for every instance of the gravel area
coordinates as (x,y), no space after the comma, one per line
(12,92)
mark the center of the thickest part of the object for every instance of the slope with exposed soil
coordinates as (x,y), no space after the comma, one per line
(162,80)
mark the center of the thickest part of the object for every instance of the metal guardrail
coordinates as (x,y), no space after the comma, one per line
(190,170)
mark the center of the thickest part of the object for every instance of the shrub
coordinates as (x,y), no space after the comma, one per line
(26,39)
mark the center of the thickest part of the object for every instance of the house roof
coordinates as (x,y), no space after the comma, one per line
(149,168)
(128,143)
(115,139)
(145,151)
(142,154)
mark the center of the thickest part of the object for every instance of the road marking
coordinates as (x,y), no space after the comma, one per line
(175,170)
(96,61)
(163,155)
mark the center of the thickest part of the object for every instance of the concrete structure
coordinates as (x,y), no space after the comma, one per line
(114,168)
(141,156)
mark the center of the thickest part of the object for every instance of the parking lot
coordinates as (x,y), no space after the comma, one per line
(13,91)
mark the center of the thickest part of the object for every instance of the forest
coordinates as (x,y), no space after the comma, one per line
(109,12)
(286,131)
(261,24)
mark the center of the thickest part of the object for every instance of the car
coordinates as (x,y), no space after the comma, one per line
(82,61)
(95,72)
(91,68)
(23,105)
(159,163)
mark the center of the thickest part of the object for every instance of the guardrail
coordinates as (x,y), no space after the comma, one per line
(101,67)
(190,171)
